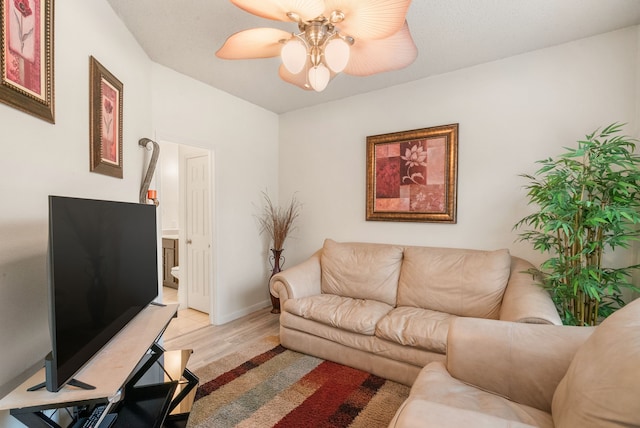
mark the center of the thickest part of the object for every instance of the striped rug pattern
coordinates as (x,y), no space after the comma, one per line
(266,385)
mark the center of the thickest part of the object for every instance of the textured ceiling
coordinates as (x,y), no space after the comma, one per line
(450,34)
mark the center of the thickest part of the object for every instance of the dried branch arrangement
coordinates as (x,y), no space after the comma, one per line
(277,221)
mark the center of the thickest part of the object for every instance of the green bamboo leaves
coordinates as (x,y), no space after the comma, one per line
(588,201)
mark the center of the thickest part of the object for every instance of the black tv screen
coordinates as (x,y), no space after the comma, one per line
(103,271)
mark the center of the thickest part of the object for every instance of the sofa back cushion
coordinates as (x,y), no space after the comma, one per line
(461,282)
(361,270)
(602,385)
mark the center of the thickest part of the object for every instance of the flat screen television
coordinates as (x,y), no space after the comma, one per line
(102,271)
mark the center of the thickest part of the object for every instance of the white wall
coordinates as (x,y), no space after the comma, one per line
(167,174)
(511,113)
(39,159)
(244,141)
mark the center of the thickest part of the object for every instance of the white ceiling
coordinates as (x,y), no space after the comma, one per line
(450,34)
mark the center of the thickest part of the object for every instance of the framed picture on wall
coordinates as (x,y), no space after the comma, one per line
(105,120)
(26,81)
(412,175)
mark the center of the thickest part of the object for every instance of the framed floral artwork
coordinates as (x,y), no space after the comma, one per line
(105,120)
(26,60)
(412,175)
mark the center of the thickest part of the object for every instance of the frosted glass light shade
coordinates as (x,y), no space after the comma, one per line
(336,54)
(294,56)
(319,77)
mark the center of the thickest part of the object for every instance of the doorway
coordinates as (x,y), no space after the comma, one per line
(185,191)
(197,227)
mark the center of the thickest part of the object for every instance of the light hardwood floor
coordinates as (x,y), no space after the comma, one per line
(210,343)
(187,321)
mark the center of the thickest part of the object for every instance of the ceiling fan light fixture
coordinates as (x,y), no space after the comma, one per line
(325,44)
(319,77)
(336,54)
(294,55)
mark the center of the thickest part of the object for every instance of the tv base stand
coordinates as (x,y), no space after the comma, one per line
(72,382)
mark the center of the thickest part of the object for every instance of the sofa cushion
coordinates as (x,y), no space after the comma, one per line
(361,270)
(602,385)
(412,355)
(462,282)
(355,315)
(316,330)
(416,327)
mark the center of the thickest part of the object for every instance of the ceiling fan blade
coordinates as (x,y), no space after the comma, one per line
(376,56)
(371,19)
(278,9)
(253,43)
(300,79)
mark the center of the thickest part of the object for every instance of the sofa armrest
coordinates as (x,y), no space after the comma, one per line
(523,362)
(524,299)
(301,280)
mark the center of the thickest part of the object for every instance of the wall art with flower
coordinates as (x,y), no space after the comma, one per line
(105,120)
(412,175)
(27,56)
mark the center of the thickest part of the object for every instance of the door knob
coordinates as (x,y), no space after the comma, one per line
(189,241)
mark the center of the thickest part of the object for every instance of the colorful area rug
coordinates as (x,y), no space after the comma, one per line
(266,385)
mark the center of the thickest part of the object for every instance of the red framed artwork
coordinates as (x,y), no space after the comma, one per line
(412,175)
(105,120)
(26,59)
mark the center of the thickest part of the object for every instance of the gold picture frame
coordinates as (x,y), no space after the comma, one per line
(413,175)
(26,57)
(105,120)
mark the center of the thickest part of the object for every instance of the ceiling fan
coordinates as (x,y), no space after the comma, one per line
(357,37)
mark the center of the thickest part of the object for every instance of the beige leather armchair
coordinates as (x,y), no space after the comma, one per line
(504,374)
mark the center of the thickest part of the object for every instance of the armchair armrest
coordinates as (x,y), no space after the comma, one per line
(418,413)
(526,301)
(523,362)
(301,280)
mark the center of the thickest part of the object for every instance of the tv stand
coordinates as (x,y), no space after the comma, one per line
(129,374)
(72,382)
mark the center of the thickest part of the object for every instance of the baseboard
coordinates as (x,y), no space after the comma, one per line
(223,319)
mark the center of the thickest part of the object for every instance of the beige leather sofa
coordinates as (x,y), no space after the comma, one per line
(503,374)
(387,308)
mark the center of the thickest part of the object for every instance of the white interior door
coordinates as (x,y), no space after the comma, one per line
(198,234)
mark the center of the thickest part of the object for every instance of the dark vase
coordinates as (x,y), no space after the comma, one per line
(276,260)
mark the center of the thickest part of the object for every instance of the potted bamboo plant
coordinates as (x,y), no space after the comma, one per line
(588,202)
(278,222)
